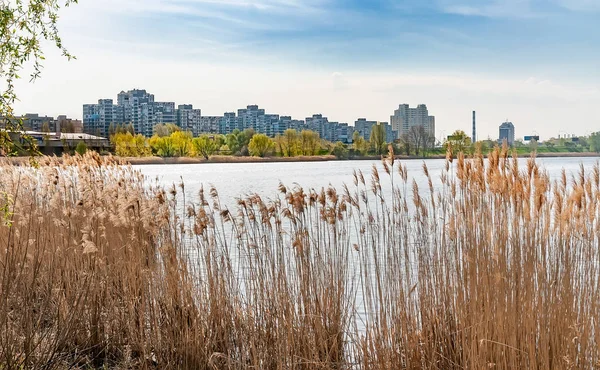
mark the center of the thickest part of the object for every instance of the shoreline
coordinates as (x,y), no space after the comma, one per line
(140,161)
(224,159)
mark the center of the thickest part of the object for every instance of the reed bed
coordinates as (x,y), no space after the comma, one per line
(498,267)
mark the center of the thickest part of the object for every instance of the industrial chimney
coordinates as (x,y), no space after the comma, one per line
(474,138)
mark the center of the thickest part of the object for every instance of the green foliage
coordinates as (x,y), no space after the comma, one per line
(205,145)
(238,141)
(260,145)
(162,146)
(340,150)
(288,143)
(81,148)
(359,143)
(459,142)
(309,142)
(24,25)
(594,141)
(6,213)
(378,139)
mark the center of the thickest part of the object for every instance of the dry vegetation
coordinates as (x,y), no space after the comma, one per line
(498,268)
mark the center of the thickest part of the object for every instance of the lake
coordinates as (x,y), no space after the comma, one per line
(233,180)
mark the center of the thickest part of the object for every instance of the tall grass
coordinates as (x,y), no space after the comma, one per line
(496,267)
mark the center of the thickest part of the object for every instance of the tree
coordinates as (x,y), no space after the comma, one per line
(533,145)
(406,143)
(594,141)
(128,145)
(340,150)
(359,143)
(309,142)
(162,146)
(182,143)
(378,138)
(288,143)
(205,145)
(420,139)
(23,28)
(260,145)
(459,141)
(162,129)
(81,148)
(238,141)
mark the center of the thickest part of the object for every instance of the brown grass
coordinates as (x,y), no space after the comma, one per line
(498,268)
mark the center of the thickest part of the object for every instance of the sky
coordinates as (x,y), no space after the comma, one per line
(532,62)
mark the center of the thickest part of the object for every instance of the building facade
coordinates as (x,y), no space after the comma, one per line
(136,107)
(507,133)
(364,128)
(405,117)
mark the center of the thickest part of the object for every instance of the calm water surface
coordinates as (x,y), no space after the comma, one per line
(233,180)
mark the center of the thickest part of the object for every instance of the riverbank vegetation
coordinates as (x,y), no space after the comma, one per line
(170,141)
(491,265)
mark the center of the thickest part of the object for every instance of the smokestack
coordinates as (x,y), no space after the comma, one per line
(474,138)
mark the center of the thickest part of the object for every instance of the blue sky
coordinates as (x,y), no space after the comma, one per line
(534,62)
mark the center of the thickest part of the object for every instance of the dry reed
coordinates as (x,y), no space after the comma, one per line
(498,267)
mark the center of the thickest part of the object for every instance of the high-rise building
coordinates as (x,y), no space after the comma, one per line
(317,123)
(136,107)
(364,127)
(188,118)
(207,125)
(405,117)
(97,118)
(228,123)
(507,132)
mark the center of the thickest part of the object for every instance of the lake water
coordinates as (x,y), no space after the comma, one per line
(233,180)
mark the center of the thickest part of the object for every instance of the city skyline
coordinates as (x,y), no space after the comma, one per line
(344,59)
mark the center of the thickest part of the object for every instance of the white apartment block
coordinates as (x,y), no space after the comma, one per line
(405,117)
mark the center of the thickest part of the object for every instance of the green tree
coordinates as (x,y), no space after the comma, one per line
(459,141)
(162,146)
(260,145)
(309,142)
(378,139)
(81,148)
(238,141)
(359,143)
(24,26)
(205,145)
(594,142)
(288,143)
(340,150)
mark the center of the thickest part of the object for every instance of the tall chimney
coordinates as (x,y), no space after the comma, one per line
(474,138)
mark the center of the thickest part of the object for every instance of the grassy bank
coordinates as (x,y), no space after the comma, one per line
(497,269)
